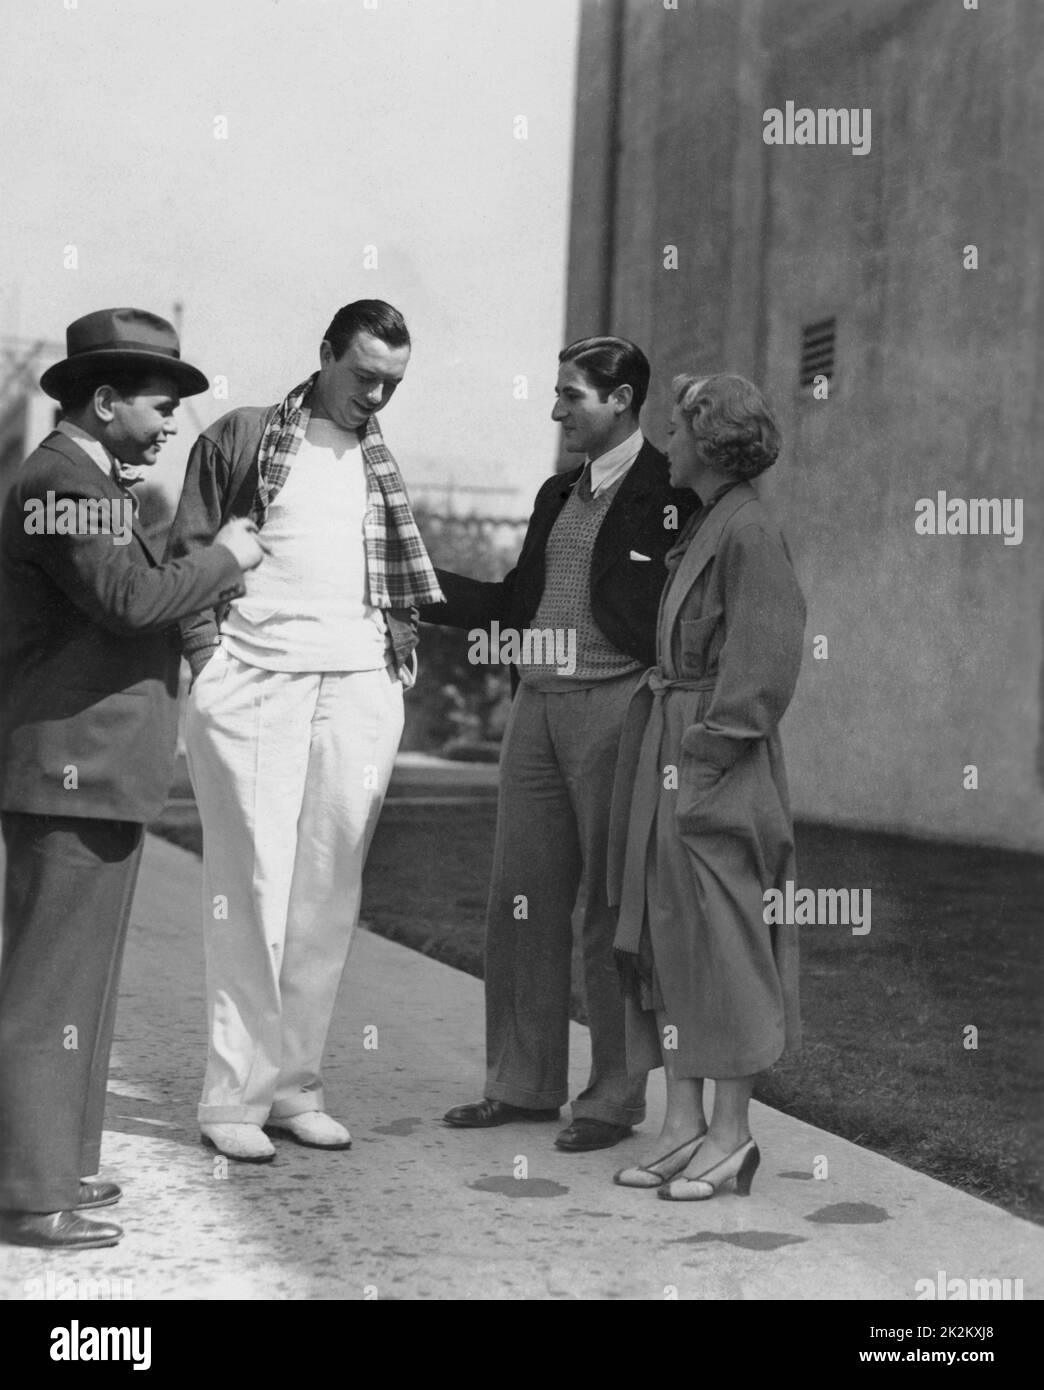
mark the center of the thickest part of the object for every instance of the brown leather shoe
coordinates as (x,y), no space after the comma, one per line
(98,1194)
(57,1230)
(583,1135)
(485,1113)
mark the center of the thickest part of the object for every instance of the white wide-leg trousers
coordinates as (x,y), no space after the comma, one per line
(290,771)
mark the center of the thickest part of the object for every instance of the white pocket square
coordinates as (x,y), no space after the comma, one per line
(636,556)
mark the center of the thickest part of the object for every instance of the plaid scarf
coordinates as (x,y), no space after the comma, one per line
(400,571)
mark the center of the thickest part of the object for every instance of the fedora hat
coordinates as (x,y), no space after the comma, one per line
(121,340)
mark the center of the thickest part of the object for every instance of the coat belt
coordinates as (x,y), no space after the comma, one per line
(657,682)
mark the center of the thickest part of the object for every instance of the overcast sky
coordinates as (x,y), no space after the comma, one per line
(350,124)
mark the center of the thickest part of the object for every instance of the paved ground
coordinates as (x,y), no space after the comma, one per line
(419,1211)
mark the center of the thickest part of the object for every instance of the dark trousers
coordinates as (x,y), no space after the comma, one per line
(556,782)
(67,899)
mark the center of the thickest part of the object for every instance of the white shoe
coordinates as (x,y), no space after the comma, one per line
(312,1128)
(245,1143)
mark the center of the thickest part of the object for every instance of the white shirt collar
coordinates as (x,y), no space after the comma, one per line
(610,467)
(93,448)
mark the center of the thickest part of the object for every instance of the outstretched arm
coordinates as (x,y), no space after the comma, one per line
(475,603)
(123,596)
(470,603)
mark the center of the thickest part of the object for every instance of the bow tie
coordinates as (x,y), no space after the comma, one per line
(126,474)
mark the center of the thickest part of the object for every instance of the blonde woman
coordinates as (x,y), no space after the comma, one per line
(712,989)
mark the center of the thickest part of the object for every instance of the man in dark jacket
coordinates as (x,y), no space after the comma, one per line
(89,651)
(577,616)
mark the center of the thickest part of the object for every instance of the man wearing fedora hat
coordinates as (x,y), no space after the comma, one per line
(89,650)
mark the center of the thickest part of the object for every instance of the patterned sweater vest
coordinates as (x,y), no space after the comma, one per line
(565,649)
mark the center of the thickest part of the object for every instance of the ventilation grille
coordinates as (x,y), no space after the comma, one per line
(817,350)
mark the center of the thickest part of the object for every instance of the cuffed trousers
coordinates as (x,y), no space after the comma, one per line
(67,900)
(556,782)
(289,771)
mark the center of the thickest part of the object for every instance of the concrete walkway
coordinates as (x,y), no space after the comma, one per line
(419,1211)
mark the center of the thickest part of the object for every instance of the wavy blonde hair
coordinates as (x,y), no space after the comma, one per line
(731,422)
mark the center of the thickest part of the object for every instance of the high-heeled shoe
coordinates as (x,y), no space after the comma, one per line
(639,1177)
(741,1165)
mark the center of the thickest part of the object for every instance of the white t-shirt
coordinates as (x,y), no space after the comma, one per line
(306,606)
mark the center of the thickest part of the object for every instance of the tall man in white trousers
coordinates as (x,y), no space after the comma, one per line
(294,719)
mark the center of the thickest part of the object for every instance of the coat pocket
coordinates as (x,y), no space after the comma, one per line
(698,644)
(96,750)
(698,782)
(742,801)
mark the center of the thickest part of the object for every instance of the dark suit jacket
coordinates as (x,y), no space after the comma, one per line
(625,593)
(89,651)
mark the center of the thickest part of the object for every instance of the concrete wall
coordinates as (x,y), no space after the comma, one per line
(935,642)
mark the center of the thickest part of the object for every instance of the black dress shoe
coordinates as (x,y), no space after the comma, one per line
(98,1194)
(57,1230)
(583,1135)
(485,1113)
